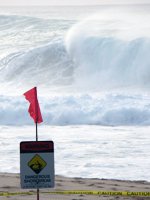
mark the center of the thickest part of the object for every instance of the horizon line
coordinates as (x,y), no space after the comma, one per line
(102,4)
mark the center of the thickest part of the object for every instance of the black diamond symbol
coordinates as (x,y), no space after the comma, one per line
(37,164)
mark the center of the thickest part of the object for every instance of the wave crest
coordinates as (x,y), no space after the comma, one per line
(111,50)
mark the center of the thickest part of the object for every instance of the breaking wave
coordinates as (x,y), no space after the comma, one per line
(108,110)
(97,54)
(103,51)
(111,50)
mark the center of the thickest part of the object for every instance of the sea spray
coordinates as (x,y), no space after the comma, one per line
(111,50)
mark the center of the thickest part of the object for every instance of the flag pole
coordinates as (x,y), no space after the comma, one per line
(35,113)
(36,126)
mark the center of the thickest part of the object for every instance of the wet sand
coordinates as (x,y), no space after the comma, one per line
(11,183)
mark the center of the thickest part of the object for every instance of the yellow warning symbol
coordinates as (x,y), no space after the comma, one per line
(37,164)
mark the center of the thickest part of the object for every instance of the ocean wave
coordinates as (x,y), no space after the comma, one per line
(97,53)
(108,110)
(47,64)
(111,50)
(94,63)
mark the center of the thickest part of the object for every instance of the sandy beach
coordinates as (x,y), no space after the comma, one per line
(11,183)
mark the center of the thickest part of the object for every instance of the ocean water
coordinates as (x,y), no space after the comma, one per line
(91,66)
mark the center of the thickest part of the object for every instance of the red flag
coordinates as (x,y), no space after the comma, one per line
(34,108)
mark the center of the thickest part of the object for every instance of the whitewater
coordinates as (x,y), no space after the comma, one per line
(91,66)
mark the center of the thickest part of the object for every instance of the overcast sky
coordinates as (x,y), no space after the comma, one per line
(68,2)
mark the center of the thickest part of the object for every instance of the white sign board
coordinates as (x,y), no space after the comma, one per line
(37,164)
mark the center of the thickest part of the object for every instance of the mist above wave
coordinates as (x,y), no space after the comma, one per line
(111,49)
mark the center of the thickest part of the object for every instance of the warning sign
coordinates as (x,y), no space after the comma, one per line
(37,164)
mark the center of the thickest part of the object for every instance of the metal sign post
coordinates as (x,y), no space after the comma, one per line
(38,195)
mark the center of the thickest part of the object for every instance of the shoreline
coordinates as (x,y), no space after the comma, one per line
(10,183)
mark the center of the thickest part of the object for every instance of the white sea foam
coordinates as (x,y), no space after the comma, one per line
(85,151)
(108,110)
